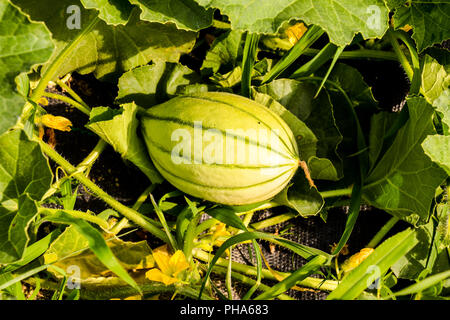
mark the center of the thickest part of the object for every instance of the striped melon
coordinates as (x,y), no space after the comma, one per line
(221,147)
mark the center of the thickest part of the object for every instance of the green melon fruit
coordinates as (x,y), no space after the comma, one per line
(221,147)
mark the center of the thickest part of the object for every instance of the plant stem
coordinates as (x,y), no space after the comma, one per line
(68,100)
(366,53)
(88,162)
(315,283)
(59,60)
(72,93)
(400,56)
(272,221)
(124,221)
(77,214)
(129,213)
(248,281)
(382,233)
(336,193)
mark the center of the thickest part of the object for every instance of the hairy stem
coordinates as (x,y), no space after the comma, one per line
(133,215)
(76,214)
(68,100)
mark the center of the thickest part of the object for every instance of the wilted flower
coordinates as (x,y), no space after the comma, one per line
(56,122)
(356,259)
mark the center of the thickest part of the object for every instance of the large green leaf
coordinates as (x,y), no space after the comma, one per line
(352,82)
(109,50)
(317,114)
(436,81)
(405,179)
(437,147)
(154,84)
(22,45)
(118,127)
(13,228)
(377,263)
(415,261)
(428,18)
(435,84)
(24,178)
(111,11)
(224,52)
(185,14)
(23,168)
(340,19)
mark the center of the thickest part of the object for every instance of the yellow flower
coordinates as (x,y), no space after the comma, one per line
(219,230)
(56,122)
(356,259)
(43,101)
(169,266)
(295,32)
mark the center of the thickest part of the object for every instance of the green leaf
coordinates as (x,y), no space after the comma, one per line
(23,168)
(299,196)
(415,261)
(404,180)
(429,20)
(341,20)
(96,243)
(33,251)
(380,124)
(108,50)
(154,84)
(111,11)
(224,53)
(424,284)
(437,147)
(13,228)
(317,114)
(24,178)
(352,82)
(377,264)
(185,14)
(22,45)
(119,129)
(436,81)
(228,216)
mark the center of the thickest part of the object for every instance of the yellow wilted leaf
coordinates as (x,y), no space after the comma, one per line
(56,122)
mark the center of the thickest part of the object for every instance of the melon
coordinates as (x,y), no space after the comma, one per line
(221,147)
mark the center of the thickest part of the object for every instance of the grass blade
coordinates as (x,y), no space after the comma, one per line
(299,249)
(380,260)
(291,280)
(248,60)
(337,53)
(310,36)
(424,284)
(325,54)
(32,252)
